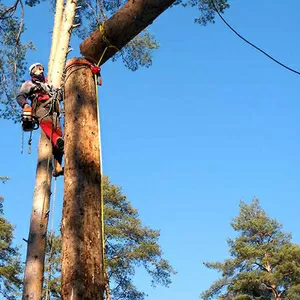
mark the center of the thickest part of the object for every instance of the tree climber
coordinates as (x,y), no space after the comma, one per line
(44,100)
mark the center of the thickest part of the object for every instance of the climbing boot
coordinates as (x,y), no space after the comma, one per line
(60,143)
(58,170)
(56,173)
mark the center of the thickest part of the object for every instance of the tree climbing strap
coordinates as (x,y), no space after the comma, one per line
(96,70)
(54,104)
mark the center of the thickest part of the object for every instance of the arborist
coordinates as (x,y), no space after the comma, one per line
(44,102)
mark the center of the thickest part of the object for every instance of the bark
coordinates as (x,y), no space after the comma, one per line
(58,18)
(34,268)
(63,37)
(82,252)
(122,27)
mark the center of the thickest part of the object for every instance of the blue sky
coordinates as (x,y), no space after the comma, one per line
(213,121)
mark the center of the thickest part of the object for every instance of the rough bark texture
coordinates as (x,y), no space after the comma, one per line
(122,27)
(34,268)
(82,256)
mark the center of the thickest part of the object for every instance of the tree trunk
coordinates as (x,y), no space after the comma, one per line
(82,248)
(122,27)
(34,268)
(58,21)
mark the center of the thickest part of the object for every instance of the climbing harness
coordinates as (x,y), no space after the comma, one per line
(30,122)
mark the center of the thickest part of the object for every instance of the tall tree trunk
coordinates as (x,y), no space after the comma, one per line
(82,248)
(61,43)
(34,268)
(57,26)
(122,27)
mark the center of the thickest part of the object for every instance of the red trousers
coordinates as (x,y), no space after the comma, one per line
(52,130)
(49,122)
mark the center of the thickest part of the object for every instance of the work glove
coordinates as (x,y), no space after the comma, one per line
(26,105)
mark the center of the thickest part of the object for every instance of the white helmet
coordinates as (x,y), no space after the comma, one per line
(35,65)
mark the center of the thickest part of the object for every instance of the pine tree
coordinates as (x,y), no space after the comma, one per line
(10,263)
(264,263)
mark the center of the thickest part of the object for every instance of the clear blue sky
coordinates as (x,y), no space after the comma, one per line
(213,121)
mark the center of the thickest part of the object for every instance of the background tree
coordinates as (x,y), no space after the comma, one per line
(265,264)
(128,245)
(10,263)
(3,179)
(12,57)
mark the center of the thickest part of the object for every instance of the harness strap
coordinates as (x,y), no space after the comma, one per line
(96,70)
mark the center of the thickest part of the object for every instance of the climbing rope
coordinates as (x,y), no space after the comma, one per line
(105,39)
(101,169)
(109,45)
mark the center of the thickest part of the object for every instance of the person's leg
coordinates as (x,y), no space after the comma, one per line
(58,157)
(49,123)
(51,128)
(58,149)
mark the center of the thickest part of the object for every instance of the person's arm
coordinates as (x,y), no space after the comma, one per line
(23,94)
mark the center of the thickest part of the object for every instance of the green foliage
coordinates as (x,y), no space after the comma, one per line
(10,264)
(12,60)
(206,9)
(52,282)
(265,263)
(128,245)
(3,179)
(137,53)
